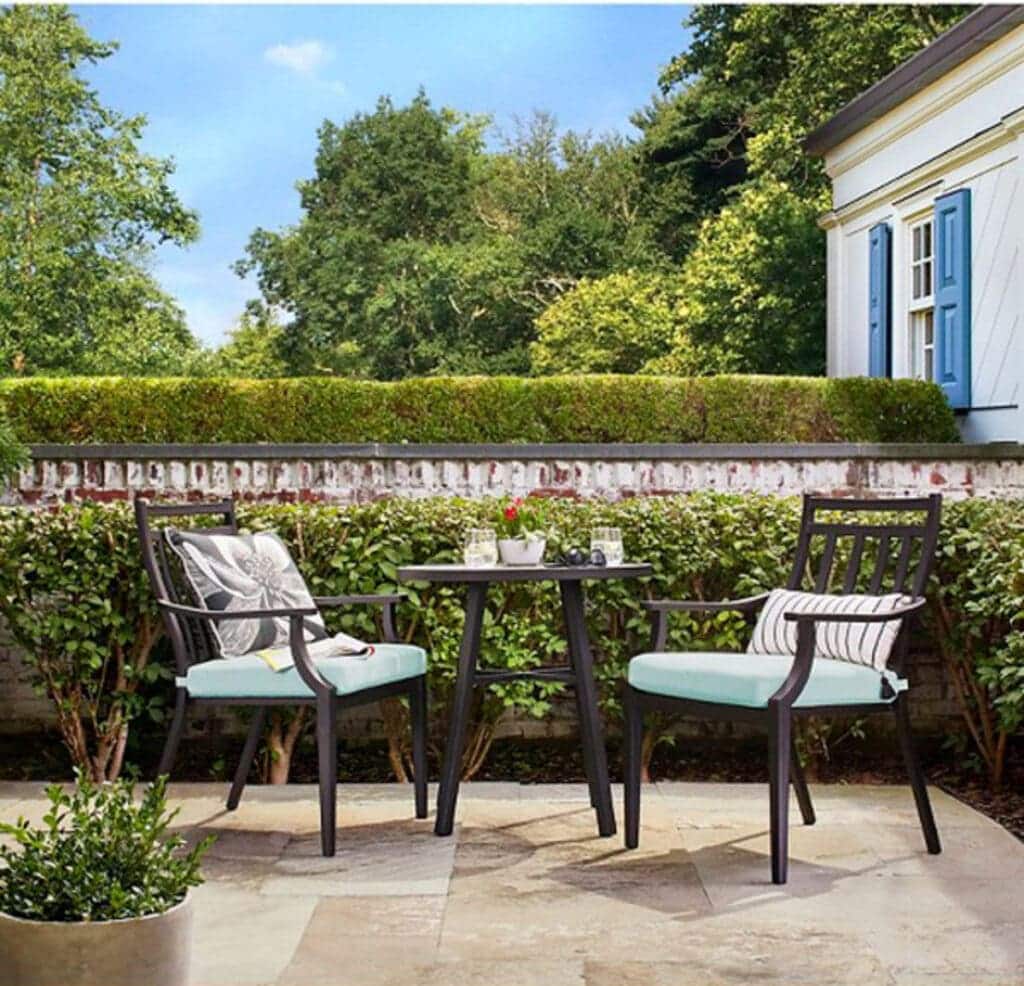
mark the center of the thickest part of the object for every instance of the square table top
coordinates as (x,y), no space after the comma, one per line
(522,573)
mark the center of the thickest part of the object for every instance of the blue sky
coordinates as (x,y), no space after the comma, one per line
(235,94)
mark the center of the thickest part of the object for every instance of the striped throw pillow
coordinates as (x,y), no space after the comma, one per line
(859,643)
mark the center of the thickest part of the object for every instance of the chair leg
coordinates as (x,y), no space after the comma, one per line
(632,766)
(327,756)
(917,781)
(174,735)
(418,714)
(803,795)
(780,727)
(252,742)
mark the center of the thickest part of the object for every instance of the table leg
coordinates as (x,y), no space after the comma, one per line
(451,770)
(586,697)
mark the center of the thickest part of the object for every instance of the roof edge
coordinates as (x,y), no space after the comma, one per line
(964,39)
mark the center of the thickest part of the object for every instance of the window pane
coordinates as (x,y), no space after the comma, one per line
(927,229)
(929,329)
(926,278)
(917,242)
(929,364)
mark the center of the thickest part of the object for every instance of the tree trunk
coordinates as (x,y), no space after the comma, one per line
(281,738)
(396,728)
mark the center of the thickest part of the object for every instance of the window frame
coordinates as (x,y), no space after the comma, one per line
(920,310)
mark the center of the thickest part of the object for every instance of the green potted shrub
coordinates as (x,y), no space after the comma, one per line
(99,893)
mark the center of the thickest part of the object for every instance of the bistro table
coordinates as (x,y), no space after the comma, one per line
(579,673)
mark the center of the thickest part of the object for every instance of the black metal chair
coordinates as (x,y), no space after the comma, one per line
(253,683)
(694,684)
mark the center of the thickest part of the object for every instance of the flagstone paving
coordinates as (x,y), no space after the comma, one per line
(526,894)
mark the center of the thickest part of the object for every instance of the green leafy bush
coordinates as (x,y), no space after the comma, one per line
(13,453)
(98,856)
(74,597)
(478,409)
(701,546)
(979,622)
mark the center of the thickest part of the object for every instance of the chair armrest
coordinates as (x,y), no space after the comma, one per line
(296,634)
(747,604)
(386,601)
(218,616)
(890,614)
(329,602)
(660,608)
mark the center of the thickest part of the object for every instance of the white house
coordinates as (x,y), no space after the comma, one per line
(926,230)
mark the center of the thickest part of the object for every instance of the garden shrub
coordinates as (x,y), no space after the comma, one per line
(73,593)
(98,856)
(477,409)
(13,453)
(75,599)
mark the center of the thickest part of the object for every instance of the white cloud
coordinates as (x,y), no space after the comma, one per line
(304,57)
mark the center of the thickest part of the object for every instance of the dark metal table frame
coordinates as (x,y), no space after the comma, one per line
(579,673)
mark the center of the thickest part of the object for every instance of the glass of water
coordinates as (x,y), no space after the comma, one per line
(609,541)
(481,547)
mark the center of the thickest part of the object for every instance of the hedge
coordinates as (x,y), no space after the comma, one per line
(478,409)
(94,653)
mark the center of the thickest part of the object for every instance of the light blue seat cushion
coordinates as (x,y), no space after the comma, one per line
(751,679)
(250,677)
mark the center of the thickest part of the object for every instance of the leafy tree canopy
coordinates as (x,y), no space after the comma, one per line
(754,80)
(421,252)
(81,208)
(612,325)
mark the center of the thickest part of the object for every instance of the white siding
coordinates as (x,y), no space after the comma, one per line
(960,132)
(946,114)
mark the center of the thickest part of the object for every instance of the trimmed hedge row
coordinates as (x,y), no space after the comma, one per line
(478,409)
(94,654)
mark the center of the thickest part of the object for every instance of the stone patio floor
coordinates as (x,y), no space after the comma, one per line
(526,894)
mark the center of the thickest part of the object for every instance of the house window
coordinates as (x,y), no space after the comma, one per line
(921,313)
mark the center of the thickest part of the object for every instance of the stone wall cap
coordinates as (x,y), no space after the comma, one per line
(526,451)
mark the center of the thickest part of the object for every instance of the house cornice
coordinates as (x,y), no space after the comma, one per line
(940,102)
(1006,131)
(962,41)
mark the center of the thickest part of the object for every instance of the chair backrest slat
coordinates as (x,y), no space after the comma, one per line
(903,563)
(825,566)
(882,563)
(191,642)
(853,565)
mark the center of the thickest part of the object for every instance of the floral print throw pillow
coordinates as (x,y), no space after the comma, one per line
(245,571)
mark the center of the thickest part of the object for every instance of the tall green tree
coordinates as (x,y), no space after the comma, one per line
(420,252)
(735,106)
(81,209)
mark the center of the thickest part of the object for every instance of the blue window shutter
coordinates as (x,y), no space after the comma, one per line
(879,307)
(953,296)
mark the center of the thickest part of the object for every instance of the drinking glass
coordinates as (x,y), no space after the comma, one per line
(609,541)
(481,548)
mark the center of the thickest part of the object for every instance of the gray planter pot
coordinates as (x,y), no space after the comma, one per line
(150,951)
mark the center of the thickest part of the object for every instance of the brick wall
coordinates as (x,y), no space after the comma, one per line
(355,473)
(351,474)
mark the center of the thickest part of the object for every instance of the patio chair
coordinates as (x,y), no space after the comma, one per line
(811,653)
(205,676)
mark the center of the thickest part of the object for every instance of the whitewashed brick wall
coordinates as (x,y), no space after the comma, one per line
(358,473)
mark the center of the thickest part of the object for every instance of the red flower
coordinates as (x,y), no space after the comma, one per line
(518,501)
(511,513)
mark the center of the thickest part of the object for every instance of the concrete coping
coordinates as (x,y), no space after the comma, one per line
(1012,451)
